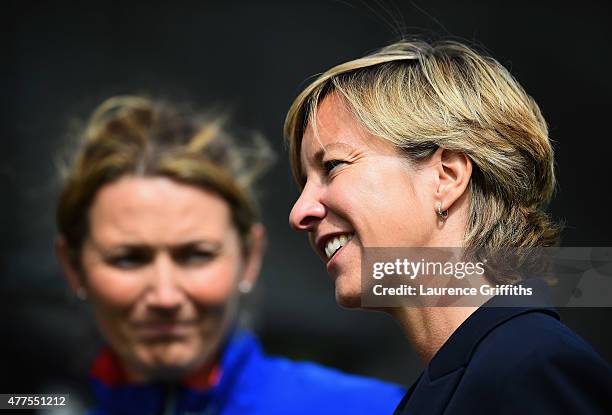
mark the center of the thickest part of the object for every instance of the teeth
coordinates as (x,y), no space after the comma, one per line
(336,243)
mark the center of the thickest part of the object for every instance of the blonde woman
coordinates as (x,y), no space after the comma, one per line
(437,145)
(160,233)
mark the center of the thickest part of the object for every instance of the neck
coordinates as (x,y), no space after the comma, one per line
(428,328)
(198,374)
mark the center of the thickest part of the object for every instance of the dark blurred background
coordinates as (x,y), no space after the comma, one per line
(60,59)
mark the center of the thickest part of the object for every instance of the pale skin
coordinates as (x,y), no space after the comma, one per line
(161,266)
(360,185)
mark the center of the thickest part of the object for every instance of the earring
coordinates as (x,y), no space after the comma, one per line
(442,214)
(81,293)
(245,287)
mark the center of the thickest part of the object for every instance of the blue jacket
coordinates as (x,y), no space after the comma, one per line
(251,383)
(512,360)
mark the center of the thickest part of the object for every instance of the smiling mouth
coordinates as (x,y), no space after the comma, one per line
(336,243)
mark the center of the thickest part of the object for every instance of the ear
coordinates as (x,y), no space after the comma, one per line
(70,270)
(253,255)
(454,170)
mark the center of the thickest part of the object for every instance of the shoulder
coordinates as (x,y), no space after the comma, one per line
(308,387)
(540,363)
(533,338)
(323,378)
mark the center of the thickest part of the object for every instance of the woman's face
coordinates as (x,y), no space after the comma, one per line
(161,266)
(359,192)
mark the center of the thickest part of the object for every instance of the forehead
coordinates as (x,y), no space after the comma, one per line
(156,209)
(337,130)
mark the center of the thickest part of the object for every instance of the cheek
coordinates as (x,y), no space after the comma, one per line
(114,289)
(113,296)
(383,209)
(215,284)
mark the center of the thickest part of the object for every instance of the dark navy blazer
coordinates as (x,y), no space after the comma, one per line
(512,360)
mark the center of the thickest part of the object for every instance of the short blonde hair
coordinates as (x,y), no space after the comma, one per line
(130,135)
(422,96)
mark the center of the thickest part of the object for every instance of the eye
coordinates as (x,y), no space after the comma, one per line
(193,256)
(330,165)
(129,260)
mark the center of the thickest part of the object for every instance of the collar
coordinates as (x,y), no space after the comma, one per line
(458,349)
(108,370)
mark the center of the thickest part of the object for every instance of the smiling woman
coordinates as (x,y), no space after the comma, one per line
(437,145)
(159,231)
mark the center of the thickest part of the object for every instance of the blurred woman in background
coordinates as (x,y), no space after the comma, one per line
(160,233)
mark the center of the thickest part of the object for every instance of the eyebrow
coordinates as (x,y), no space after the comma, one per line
(320,153)
(210,244)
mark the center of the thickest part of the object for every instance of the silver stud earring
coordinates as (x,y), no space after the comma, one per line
(442,214)
(245,287)
(81,293)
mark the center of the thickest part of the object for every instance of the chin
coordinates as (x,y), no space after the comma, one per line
(171,361)
(347,298)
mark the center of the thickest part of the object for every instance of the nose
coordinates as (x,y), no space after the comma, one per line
(165,292)
(308,210)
